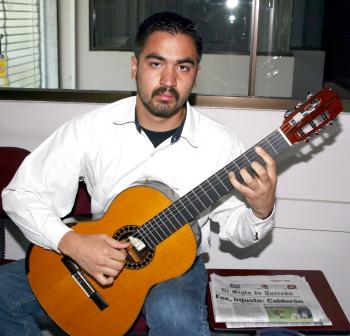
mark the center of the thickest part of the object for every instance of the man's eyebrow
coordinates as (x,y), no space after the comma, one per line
(156,56)
(161,58)
(186,60)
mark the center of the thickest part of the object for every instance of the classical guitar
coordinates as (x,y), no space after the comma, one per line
(162,242)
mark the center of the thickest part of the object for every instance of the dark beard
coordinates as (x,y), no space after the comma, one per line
(163,110)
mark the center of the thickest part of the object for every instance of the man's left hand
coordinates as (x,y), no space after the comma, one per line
(259,190)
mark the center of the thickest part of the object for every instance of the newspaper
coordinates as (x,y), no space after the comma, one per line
(265,301)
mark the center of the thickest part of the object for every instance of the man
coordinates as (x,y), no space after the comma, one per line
(156,135)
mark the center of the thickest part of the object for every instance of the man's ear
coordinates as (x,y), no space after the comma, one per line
(198,71)
(133,67)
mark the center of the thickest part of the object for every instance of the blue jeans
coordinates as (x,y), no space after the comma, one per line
(174,307)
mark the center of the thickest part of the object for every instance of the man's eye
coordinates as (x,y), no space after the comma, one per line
(155,64)
(184,68)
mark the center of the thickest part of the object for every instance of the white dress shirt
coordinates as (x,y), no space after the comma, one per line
(106,149)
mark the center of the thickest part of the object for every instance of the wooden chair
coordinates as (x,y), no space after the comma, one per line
(10,160)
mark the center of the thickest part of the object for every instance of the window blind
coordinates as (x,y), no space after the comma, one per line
(20,43)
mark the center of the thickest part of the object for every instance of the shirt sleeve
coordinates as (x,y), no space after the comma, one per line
(44,188)
(237,221)
(239,224)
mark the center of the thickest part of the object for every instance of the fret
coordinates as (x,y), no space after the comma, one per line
(181,214)
(158,226)
(145,232)
(213,188)
(156,220)
(144,237)
(271,145)
(277,143)
(195,197)
(172,215)
(233,166)
(206,193)
(154,234)
(221,182)
(197,202)
(246,157)
(175,224)
(185,207)
(161,228)
(212,193)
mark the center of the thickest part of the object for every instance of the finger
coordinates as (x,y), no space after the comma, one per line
(103,279)
(268,159)
(116,243)
(250,181)
(118,255)
(112,268)
(108,273)
(243,189)
(260,171)
(246,176)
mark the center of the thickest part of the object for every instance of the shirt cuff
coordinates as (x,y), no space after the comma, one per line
(55,235)
(262,226)
(259,220)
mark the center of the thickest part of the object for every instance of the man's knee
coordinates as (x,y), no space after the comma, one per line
(176,315)
(5,290)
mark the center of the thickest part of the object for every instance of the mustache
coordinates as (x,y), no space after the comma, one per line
(163,89)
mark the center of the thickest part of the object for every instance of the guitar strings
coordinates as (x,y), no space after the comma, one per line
(155,222)
(150,228)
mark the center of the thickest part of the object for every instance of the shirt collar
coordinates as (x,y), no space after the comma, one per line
(186,130)
(176,135)
(190,126)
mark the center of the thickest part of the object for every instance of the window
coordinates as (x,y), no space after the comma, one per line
(271,48)
(297,42)
(225,25)
(26,43)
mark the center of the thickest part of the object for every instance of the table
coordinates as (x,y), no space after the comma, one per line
(319,286)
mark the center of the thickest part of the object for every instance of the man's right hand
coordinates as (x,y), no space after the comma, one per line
(99,255)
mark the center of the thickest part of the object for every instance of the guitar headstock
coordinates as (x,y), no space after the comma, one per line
(310,116)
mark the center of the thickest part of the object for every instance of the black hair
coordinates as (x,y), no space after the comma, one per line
(171,23)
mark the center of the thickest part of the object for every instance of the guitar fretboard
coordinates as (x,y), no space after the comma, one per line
(188,207)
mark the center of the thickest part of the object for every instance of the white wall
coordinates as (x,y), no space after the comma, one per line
(313,195)
(67,34)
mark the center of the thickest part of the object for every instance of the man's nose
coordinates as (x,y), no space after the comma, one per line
(168,77)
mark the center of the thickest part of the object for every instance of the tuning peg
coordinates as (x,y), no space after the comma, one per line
(309,95)
(316,102)
(287,113)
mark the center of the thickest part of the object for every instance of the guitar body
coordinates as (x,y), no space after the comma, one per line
(69,306)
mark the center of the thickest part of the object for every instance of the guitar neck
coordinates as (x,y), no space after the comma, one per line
(188,207)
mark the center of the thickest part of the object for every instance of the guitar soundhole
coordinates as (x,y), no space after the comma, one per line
(139,255)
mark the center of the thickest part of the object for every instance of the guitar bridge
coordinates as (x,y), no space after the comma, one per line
(80,278)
